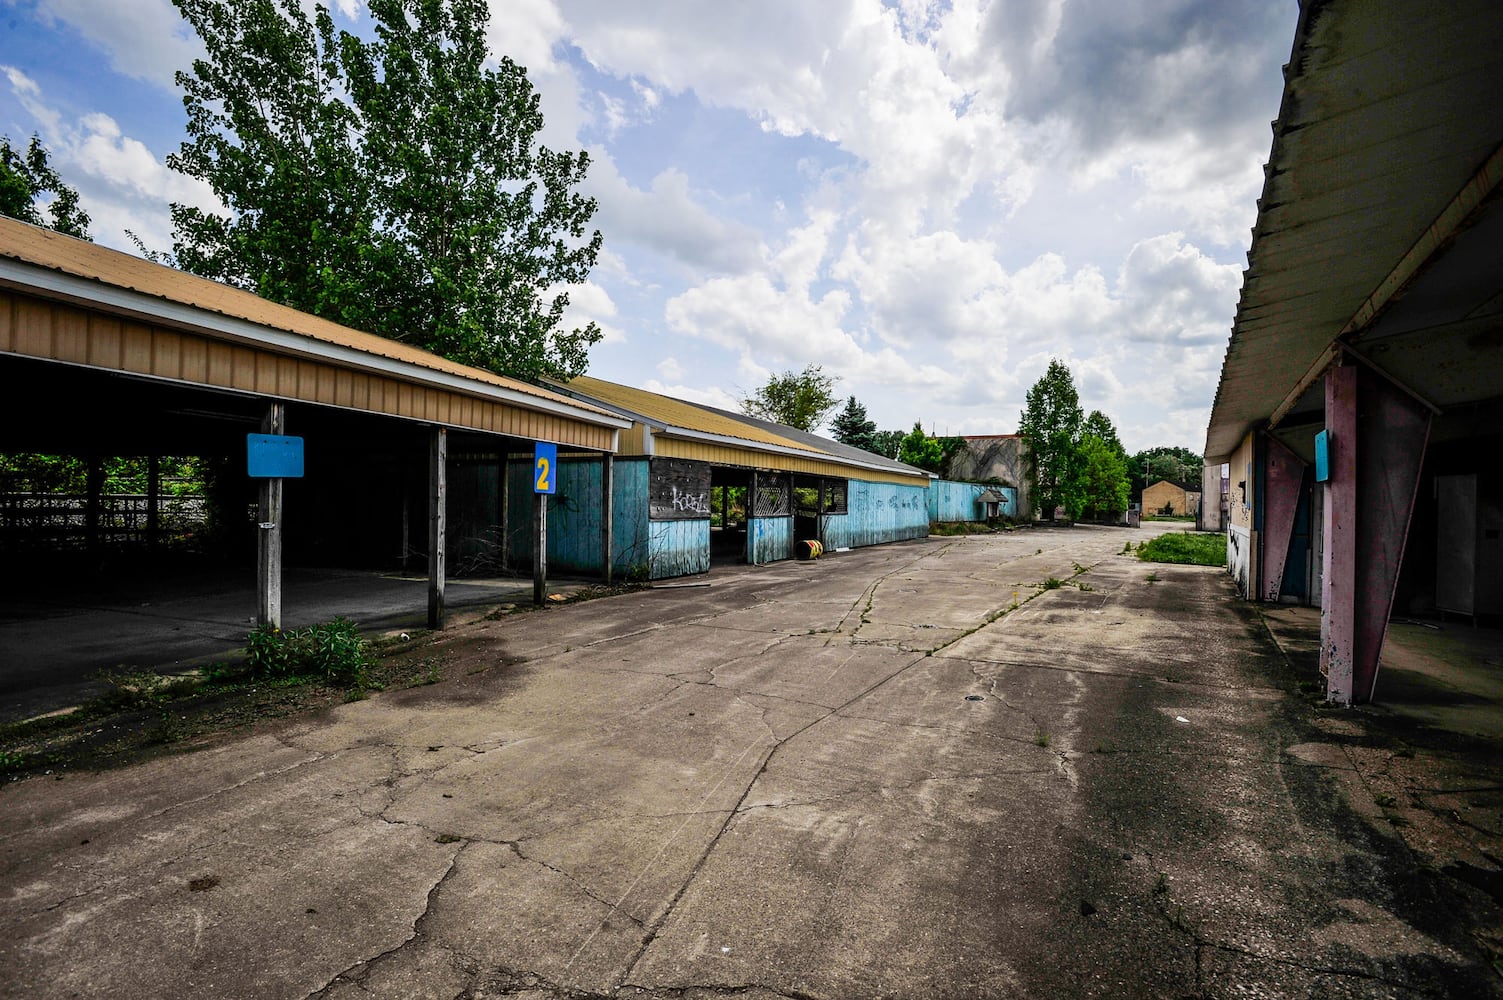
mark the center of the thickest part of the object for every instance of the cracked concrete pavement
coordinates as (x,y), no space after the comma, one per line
(907,771)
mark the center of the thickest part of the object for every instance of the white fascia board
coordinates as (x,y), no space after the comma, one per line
(88,291)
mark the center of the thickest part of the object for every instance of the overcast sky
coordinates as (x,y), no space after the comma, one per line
(930,199)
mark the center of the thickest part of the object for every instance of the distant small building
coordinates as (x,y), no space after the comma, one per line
(1168,497)
(995,458)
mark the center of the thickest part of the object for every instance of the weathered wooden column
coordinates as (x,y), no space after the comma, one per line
(269,531)
(607,512)
(153,504)
(438,500)
(94,488)
(539,547)
(503,513)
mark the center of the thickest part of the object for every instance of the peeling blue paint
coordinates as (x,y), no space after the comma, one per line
(677,548)
(769,539)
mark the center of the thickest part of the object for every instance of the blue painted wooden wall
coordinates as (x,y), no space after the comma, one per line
(879,513)
(678,548)
(769,539)
(952,501)
(574,517)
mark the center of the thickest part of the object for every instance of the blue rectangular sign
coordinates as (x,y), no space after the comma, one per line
(544,467)
(271,456)
(1322,456)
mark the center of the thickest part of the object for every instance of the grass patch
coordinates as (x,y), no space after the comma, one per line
(1194,548)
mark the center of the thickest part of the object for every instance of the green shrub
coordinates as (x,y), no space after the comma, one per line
(333,651)
(1196,548)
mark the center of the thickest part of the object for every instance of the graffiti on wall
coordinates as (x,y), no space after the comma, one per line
(678,490)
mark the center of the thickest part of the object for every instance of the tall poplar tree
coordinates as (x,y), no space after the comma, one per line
(395,184)
(1051,423)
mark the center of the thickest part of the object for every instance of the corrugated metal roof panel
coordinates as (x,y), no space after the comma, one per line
(44,248)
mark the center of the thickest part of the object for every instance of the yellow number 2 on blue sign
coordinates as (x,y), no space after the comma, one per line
(544,466)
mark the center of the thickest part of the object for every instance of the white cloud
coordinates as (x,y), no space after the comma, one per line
(121,184)
(668,219)
(589,303)
(145,39)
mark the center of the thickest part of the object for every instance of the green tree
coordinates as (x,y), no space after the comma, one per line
(395,185)
(27,177)
(1103,487)
(794,399)
(920,450)
(887,443)
(927,452)
(1051,425)
(1101,426)
(1180,465)
(852,427)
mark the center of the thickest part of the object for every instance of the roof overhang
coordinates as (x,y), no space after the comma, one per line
(1379,225)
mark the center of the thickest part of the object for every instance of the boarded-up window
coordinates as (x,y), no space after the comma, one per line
(774,495)
(678,490)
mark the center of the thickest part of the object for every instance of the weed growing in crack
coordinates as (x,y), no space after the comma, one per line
(1041,739)
(1161,884)
(1384,800)
(1078,568)
(1053,583)
(1153,578)
(1084,588)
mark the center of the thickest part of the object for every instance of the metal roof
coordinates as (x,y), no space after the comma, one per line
(40,260)
(1378,228)
(680,418)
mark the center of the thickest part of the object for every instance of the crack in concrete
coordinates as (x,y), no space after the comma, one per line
(714,841)
(365,965)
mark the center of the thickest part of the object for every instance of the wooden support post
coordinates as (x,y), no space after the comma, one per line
(153,501)
(607,513)
(406,523)
(94,486)
(438,503)
(505,512)
(539,547)
(269,530)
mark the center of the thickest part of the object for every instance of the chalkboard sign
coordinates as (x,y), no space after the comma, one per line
(678,490)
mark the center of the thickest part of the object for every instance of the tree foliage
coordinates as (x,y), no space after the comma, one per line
(1103,483)
(395,185)
(927,452)
(887,443)
(1051,425)
(26,178)
(794,399)
(851,426)
(1180,465)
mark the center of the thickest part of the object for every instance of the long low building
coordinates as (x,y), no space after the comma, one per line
(1360,406)
(693,485)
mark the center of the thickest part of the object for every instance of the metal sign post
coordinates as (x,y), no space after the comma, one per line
(544,485)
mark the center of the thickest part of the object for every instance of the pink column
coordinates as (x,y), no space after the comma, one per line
(1378,439)
(1339,523)
(1283,473)
(1394,428)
